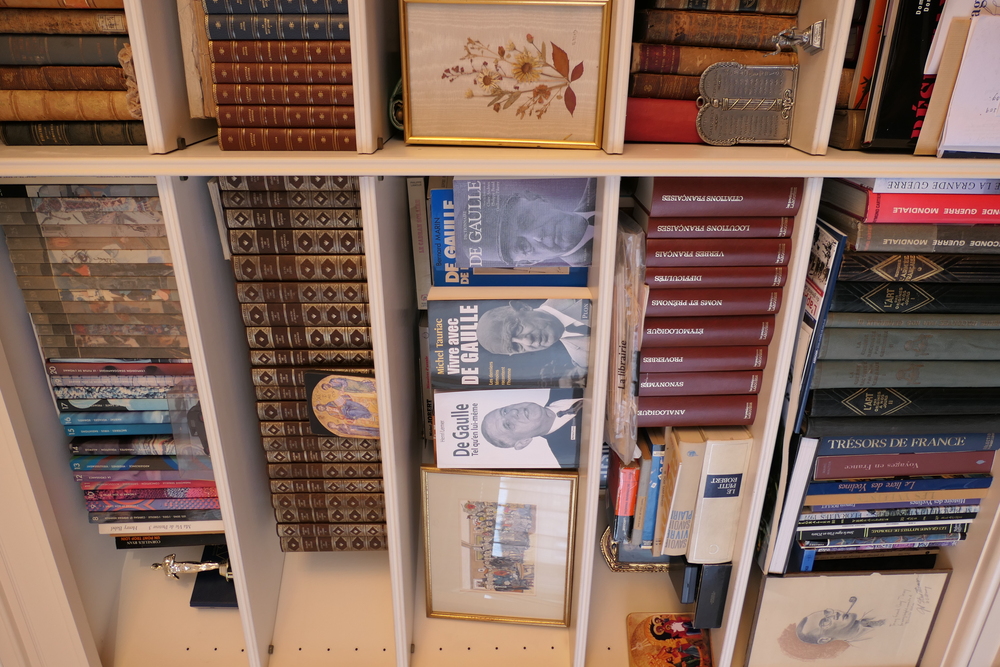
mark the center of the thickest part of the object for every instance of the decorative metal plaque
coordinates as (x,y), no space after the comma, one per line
(746,104)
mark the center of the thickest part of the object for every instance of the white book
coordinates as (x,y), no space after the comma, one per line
(973,124)
(160,527)
(420,238)
(938,186)
(686,457)
(720,493)
(794,493)
(953,9)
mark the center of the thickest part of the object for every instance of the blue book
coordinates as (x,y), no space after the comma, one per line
(906,444)
(848,507)
(117,429)
(657,448)
(446,272)
(285,7)
(125,417)
(900,484)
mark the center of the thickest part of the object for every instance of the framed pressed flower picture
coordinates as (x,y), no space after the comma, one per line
(505,72)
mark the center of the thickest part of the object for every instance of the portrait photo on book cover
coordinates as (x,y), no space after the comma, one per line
(499,343)
(518,223)
(848,619)
(508,428)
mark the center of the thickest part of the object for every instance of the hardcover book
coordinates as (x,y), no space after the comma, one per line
(717,252)
(708,331)
(342,405)
(669,197)
(693,60)
(280,51)
(904,401)
(731,30)
(699,359)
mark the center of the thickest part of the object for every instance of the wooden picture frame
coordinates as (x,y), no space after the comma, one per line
(524,579)
(851,619)
(505,72)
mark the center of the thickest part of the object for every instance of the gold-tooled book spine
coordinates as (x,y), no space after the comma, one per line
(343,471)
(311,357)
(299,241)
(299,268)
(268,115)
(738,31)
(318,443)
(58,77)
(664,86)
(271,393)
(286,94)
(279,410)
(280,51)
(325,73)
(289,183)
(300,202)
(693,60)
(325,544)
(327,500)
(758,6)
(321,529)
(333,485)
(343,514)
(287,139)
(295,314)
(287,293)
(329,456)
(309,338)
(295,376)
(63,22)
(55,105)
(293,218)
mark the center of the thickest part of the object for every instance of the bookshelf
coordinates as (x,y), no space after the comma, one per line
(67,597)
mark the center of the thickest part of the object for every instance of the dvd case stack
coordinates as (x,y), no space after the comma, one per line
(298,258)
(96,274)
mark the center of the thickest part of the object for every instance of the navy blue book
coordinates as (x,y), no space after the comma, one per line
(275,6)
(906,444)
(117,429)
(291,26)
(898,484)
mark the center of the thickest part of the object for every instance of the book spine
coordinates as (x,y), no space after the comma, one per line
(329,515)
(332,456)
(136,482)
(293,293)
(154,515)
(168,540)
(728,196)
(161,527)
(113,417)
(694,410)
(917,344)
(710,301)
(287,471)
(115,380)
(324,544)
(300,241)
(125,463)
(109,392)
(120,495)
(288,26)
(720,496)
(699,384)
(61,22)
(790,7)
(622,492)
(280,51)
(282,94)
(833,374)
(877,402)
(270,115)
(62,78)
(282,410)
(896,497)
(299,268)
(64,105)
(60,49)
(708,331)
(722,228)
(304,338)
(286,139)
(913,207)
(857,297)
(323,529)
(319,443)
(739,31)
(944,268)
(701,359)
(65,4)
(917,504)
(717,252)
(924,514)
(116,429)
(929,425)
(658,451)
(283,7)
(664,86)
(295,377)
(893,465)
(867,532)
(693,60)
(291,218)
(120,369)
(289,183)
(916,321)
(643,121)
(715,277)
(326,501)
(300,202)
(863,486)
(310,357)
(333,485)
(151,504)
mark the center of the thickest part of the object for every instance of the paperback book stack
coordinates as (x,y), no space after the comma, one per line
(717,251)
(904,403)
(674,44)
(95,271)
(282,74)
(62,80)
(298,257)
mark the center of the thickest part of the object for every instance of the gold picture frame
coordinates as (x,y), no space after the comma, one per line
(524,578)
(527,73)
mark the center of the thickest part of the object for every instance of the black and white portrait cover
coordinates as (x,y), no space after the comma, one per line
(484,343)
(508,428)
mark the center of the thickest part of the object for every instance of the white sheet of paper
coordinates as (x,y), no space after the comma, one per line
(973,122)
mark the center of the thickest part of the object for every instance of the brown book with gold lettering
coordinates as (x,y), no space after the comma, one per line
(301,241)
(56,77)
(664,86)
(35,105)
(280,51)
(311,357)
(309,338)
(265,408)
(324,73)
(693,60)
(280,93)
(758,6)
(739,31)
(63,21)
(269,115)
(287,139)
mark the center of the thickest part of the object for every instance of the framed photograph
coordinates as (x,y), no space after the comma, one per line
(505,72)
(846,619)
(499,544)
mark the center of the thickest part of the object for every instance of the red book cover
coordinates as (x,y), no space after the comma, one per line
(690,359)
(720,228)
(716,276)
(865,466)
(695,196)
(699,384)
(696,410)
(623,485)
(718,252)
(650,120)
(724,301)
(707,331)
(888,207)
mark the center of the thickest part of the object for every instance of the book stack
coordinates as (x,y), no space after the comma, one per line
(95,271)
(716,256)
(298,257)
(282,74)
(62,80)
(673,45)
(903,405)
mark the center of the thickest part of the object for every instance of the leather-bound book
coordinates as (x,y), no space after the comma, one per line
(63,21)
(693,60)
(299,268)
(319,293)
(280,51)
(717,252)
(730,410)
(723,196)
(33,105)
(717,276)
(281,94)
(738,31)
(713,301)
(268,115)
(722,228)
(287,139)
(60,77)
(707,331)
(313,73)
(661,360)
(664,86)
(652,120)
(299,241)
(282,6)
(288,26)
(700,384)
(79,133)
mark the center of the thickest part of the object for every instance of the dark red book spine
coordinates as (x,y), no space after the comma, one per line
(718,252)
(720,228)
(863,466)
(286,139)
(695,302)
(328,73)
(280,51)
(700,384)
(696,410)
(726,196)
(268,115)
(707,331)
(656,121)
(716,276)
(623,485)
(281,93)
(691,359)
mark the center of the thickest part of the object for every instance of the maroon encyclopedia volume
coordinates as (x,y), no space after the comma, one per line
(720,228)
(696,410)
(692,196)
(864,466)
(717,252)
(716,276)
(695,302)
(706,331)
(699,384)
(691,359)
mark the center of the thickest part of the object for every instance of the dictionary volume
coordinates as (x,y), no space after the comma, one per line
(715,197)
(694,359)
(717,276)
(717,252)
(729,410)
